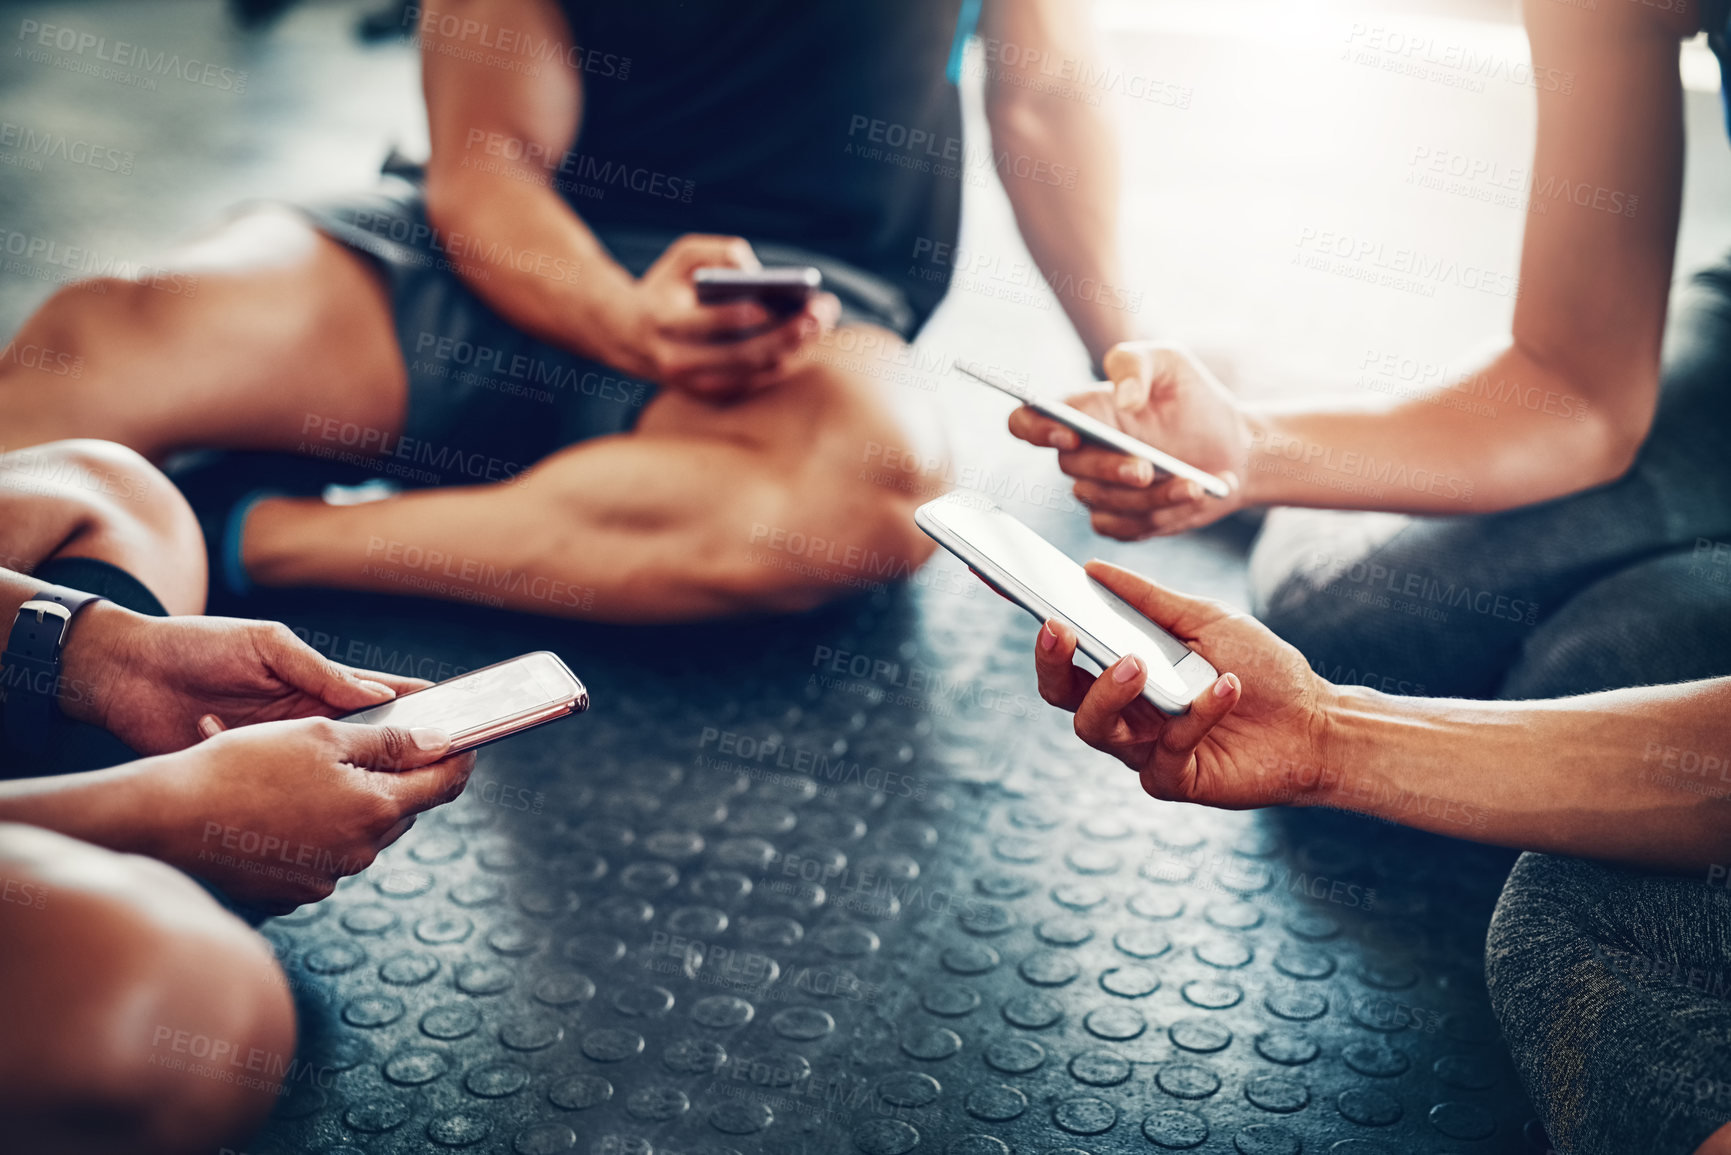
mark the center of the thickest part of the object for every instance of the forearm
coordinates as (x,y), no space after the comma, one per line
(1510,434)
(1058,161)
(1640,776)
(116,808)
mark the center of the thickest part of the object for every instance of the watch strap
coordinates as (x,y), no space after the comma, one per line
(30,666)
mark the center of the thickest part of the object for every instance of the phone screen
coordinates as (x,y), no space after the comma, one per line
(1007,549)
(479,698)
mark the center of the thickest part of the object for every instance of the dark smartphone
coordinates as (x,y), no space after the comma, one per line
(783,291)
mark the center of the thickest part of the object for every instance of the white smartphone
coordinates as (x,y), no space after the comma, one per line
(1091,429)
(1036,575)
(487,704)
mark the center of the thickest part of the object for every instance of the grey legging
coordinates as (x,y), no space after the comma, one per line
(1612,986)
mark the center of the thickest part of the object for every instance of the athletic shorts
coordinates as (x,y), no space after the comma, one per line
(486,400)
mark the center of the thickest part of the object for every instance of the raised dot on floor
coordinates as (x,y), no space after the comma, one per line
(986,918)
(373,1011)
(412,1068)
(334,958)
(978,1145)
(847,940)
(802,1024)
(477,892)
(1378,1060)
(376,1116)
(1093,860)
(1368,1107)
(483,978)
(1224,953)
(452,1021)
(1155,904)
(776,1068)
(719,1012)
(1379,1013)
(1175,1130)
(1085,1116)
(407,970)
(1032,1011)
(1213,996)
(1142,941)
(1460,1120)
(544,1139)
(694,1056)
(1199,1035)
(459,1129)
(1468,1072)
(909,1089)
(1312,925)
(1064,930)
(579,1092)
(1386,976)
(1115,1023)
(1266,1139)
(739,1117)
(1296,1005)
(443,928)
(563,988)
(515,941)
(886,1137)
(1187,1080)
(657,1104)
(369,918)
(530,1033)
(1100,1068)
(1130,982)
(704,922)
(646,1001)
(403,882)
(1049,968)
(437,848)
(930,1043)
(1233,915)
(594,947)
(1002,885)
(951,1000)
(496,1080)
(971,958)
(1301,962)
(995,1103)
(1015,1056)
(612,1044)
(1078,895)
(1277,1093)
(771,930)
(1286,1046)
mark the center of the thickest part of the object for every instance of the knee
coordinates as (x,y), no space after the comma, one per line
(144,1017)
(130,514)
(80,322)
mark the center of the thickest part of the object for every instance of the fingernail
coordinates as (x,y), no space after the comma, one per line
(429,737)
(1192,491)
(1136,472)
(1058,439)
(377,689)
(1223,687)
(1048,638)
(1127,669)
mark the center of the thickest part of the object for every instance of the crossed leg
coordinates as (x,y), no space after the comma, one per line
(780,502)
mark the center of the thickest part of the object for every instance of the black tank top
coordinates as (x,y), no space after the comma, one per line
(827,124)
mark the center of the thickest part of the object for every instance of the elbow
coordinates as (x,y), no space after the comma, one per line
(1611,444)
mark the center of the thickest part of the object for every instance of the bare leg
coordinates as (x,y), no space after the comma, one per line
(792,498)
(95,499)
(247,332)
(140,1016)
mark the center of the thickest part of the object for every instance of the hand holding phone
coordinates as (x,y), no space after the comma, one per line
(488,704)
(782,291)
(1036,575)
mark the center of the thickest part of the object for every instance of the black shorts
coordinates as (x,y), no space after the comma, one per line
(487,400)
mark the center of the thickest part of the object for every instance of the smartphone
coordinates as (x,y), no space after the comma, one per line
(487,704)
(783,291)
(1036,575)
(1090,429)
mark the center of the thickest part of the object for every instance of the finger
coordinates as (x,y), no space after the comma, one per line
(1181,736)
(709,323)
(1121,526)
(1100,719)
(1061,683)
(1130,368)
(400,683)
(210,726)
(702,250)
(1097,464)
(757,354)
(1130,499)
(299,665)
(422,789)
(1179,614)
(389,747)
(1036,428)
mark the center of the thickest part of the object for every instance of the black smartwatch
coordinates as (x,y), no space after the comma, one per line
(30,666)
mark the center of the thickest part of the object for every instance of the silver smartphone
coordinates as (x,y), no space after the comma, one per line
(1036,575)
(1092,429)
(487,704)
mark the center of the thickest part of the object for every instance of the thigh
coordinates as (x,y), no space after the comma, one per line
(1613,988)
(232,342)
(1666,619)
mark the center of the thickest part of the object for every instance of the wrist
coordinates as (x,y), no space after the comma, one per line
(1259,485)
(96,655)
(1348,720)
